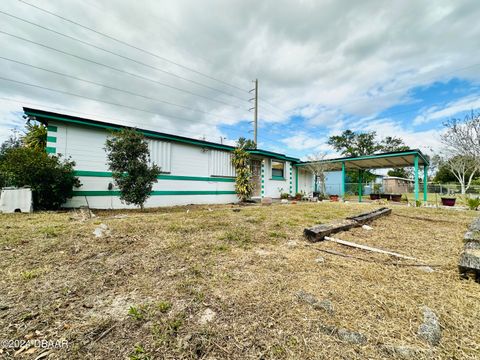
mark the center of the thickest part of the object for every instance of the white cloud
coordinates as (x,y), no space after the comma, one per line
(471,102)
(327,60)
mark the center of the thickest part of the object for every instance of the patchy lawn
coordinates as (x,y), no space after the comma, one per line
(212,282)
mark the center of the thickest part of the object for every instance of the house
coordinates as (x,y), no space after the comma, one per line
(397,185)
(192,171)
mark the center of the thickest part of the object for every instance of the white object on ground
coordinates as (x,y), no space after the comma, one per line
(16,200)
(101,230)
(368,248)
(366,227)
(207,316)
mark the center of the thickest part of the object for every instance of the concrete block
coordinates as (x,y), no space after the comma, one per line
(16,200)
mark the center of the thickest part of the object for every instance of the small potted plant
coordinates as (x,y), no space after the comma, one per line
(396,197)
(334,198)
(284,195)
(448,200)
(298,196)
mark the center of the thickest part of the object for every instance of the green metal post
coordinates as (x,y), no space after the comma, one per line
(343,181)
(360,180)
(416,177)
(296,179)
(425,182)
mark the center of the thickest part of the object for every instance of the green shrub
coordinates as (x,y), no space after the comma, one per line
(284,195)
(128,159)
(51,178)
(473,203)
(241,163)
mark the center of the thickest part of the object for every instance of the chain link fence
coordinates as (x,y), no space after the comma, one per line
(407,190)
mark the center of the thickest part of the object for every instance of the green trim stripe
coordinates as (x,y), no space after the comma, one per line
(51,139)
(50,150)
(160,177)
(51,128)
(281,178)
(156,192)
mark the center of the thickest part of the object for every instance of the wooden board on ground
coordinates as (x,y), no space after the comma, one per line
(318,232)
(369,216)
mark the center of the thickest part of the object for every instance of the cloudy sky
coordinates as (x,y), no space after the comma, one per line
(400,67)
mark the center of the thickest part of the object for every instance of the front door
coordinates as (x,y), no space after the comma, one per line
(256,168)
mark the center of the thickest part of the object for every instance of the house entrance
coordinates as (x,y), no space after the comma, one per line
(256,168)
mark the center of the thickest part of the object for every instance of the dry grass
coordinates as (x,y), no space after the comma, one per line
(141,292)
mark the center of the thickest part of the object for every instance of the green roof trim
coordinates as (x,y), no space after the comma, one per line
(47,115)
(273,155)
(376,156)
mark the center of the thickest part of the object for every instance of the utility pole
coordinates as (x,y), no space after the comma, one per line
(255,112)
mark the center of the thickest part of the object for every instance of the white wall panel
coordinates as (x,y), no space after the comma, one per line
(160,154)
(220,163)
(189,160)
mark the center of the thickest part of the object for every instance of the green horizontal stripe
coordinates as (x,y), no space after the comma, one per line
(157,192)
(50,150)
(51,139)
(160,177)
(52,128)
(277,178)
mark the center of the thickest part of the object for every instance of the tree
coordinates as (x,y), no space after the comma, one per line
(462,144)
(400,172)
(243,179)
(246,143)
(50,177)
(14,141)
(462,137)
(463,167)
(318,166)
(128,160)
(392,144)
(350,143)
(35,136)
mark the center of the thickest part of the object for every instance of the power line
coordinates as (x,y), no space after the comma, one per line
(118,70)
(113,88)
(134,124)
(92,99)
(131,45)
(122,56)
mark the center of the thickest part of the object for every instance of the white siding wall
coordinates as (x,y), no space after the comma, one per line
(189,170)
(160,154)
(273,188)
(305,181)
(219,163)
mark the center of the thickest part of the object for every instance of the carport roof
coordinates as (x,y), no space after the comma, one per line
(395,159)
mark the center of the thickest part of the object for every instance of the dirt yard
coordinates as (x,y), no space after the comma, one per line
(214,282)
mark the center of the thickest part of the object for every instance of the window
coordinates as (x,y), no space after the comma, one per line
(277,169)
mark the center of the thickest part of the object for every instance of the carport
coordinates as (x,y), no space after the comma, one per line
(397,159)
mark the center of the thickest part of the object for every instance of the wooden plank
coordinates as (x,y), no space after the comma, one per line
(369,248)
(369,216)
(318,233)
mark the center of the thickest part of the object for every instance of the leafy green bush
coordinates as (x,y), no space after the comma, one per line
(241,163)
(51,178)
(473,203)
(128,159)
